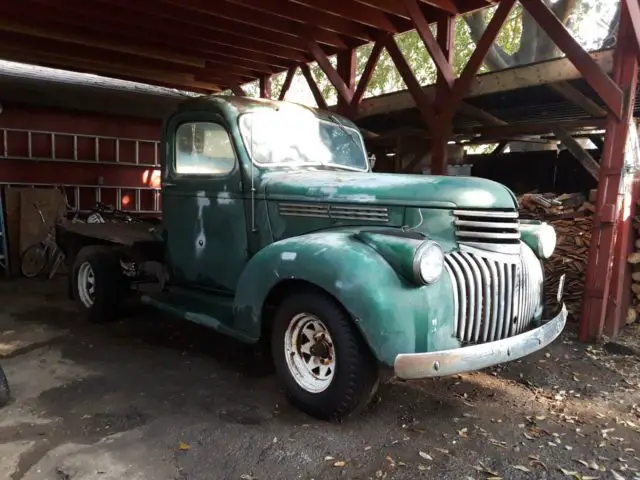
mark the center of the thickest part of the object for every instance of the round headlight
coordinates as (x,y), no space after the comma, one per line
(428,262)
(546,240)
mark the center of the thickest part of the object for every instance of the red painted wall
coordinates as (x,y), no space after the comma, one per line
(69,173)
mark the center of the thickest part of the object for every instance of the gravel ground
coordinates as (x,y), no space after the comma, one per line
(152,398)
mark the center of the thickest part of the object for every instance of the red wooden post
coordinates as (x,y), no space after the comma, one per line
(439,150)
(347,70)
(265,86)
(605,277)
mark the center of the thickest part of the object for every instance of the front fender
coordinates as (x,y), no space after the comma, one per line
(393,315)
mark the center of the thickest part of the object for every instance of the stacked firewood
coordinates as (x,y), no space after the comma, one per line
(634,259)
(571,216)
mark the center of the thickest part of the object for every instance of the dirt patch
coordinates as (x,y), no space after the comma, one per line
(153,398)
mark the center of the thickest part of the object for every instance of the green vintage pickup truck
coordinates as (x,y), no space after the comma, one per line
(276,230)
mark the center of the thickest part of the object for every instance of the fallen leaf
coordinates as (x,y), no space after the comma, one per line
(246,476)
(616,475)
(390,460)
(339,463)
(568,473)
(443,450)
(425,455)
(582,462)
(183,447)
(463,433)
(328,458)
(522,468)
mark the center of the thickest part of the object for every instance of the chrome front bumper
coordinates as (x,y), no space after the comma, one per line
(466,359)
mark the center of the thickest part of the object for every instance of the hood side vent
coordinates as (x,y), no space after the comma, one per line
(335,212)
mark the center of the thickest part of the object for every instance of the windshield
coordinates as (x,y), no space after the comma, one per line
(295,137)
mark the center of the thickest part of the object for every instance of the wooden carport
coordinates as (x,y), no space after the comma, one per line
(210,47)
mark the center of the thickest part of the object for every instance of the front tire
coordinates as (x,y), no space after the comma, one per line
(324,364)
(98,283)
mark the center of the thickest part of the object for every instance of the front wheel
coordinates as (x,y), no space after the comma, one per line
(327,369)
(33,260)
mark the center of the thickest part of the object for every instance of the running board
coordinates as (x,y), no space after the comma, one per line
(210,311)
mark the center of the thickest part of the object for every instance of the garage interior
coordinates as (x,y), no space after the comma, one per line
(93,137)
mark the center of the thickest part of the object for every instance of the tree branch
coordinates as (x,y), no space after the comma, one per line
(497,58)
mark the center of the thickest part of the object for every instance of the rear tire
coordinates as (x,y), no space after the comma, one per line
(98,283)
(323,362)
(33,261)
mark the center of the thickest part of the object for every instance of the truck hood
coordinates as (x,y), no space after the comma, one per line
(387,189)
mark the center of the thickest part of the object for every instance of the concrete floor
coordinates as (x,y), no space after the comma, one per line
(153,398)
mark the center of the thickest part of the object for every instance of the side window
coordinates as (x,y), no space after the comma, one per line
(203,148)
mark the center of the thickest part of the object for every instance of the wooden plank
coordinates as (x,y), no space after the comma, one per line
(585,159)
(574,95)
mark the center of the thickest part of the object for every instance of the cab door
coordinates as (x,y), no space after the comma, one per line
(204,216)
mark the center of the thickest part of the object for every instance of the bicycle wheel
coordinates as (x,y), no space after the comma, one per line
(33,260)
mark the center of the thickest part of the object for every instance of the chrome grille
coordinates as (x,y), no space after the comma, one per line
(336,212)
(488,229)
(495,296)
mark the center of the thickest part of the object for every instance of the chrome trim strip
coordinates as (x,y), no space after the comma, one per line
(410,366)
(494,225)
(493,235)
(485,213)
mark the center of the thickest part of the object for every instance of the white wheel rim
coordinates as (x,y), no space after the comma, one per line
(310,353)
(86,284)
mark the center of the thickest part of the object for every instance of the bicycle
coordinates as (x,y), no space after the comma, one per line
(38,256)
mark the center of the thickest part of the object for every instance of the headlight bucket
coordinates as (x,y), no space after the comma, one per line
(418,260)
(541,237)
(428,262)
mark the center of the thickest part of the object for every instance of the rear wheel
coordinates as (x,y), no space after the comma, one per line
(98,283)
(327,369)
(33,260)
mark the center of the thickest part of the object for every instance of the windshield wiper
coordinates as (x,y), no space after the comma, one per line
(344,129)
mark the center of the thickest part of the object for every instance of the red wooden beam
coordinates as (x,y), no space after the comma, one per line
(265,86)
(310,16)
(317,94)
(606,88)
(422,101)
(334,77)
(422,27)
(633,9)
(463,83)
(369,68)
(360,13)
(287,82)
(607,268)
(263,20)
(446,5)
(446,34)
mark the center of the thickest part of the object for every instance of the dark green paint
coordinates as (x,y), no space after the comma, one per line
(250,247)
